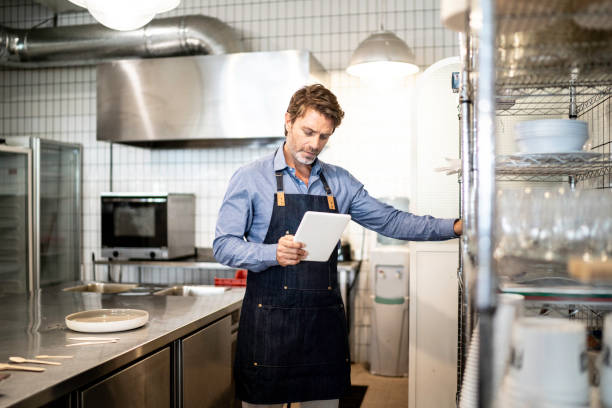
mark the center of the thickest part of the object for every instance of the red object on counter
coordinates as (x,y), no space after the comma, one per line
(239,279)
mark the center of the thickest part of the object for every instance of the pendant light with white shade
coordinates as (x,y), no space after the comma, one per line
(125,15)
(382,54)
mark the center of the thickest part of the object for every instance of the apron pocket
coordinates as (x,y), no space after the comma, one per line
(316,276)
(301,336)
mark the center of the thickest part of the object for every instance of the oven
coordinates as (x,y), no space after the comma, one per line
(147,225)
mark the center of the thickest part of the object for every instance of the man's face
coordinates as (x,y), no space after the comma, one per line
(307,136)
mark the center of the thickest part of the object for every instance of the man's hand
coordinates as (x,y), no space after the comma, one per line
(289,252)
(458,227)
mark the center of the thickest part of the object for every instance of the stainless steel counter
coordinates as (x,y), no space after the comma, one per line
(35,325)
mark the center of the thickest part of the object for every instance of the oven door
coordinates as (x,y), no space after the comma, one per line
(134,223)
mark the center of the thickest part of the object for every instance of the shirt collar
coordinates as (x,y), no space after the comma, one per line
(281,164)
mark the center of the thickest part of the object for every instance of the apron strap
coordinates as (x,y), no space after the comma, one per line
(280,194)
(330,196)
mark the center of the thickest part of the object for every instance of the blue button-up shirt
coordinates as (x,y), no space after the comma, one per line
(246,211)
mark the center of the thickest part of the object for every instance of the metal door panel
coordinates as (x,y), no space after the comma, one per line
(207,366)
(144,384)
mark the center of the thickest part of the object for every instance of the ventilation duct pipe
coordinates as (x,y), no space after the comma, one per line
(94,43)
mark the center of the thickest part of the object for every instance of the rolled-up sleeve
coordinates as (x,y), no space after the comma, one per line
(235,218)
(386,220)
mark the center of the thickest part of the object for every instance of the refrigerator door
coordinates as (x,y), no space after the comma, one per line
(57,238)
(15,220)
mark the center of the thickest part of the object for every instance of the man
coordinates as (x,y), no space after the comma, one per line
(293,342)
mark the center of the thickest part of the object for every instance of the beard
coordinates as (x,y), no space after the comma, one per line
(300,157)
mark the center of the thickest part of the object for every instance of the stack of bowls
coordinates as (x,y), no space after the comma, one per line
(549,365)
(551,135)
(605,371)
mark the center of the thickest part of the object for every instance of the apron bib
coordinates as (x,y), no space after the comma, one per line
(293,337)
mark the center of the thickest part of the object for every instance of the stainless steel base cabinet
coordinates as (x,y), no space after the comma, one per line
(207,366)
(144,384)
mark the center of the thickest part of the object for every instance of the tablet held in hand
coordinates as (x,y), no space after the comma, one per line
(320,232)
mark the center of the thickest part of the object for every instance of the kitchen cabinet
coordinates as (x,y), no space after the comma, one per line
(205,374)
(432,370)
(143,384)
(206,366)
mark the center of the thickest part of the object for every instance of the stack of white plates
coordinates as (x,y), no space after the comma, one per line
(510,307)
(605,383)
(469,387)
(551,135)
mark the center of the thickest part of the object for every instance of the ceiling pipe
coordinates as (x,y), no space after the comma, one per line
(93,43)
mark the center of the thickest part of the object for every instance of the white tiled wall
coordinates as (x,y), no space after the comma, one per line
(373,142)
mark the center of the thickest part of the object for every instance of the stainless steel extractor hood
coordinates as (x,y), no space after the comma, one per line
(196,101)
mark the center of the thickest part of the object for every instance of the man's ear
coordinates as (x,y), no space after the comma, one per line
(287,121)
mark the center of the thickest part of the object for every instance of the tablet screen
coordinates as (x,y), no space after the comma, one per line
(320,232)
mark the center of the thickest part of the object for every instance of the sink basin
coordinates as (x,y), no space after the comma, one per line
(102,287)
(192,290)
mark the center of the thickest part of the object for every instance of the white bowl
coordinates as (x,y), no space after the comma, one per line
(551,135)
(559,144)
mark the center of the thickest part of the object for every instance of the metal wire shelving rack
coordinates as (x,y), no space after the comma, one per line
(559,167)
(546,58)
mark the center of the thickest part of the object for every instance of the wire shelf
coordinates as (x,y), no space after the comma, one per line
(532,16)
(562,294)
(555,43)
(553,101)
(546,47)
(552,167)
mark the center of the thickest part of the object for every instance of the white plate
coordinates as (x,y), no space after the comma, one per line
(106,320)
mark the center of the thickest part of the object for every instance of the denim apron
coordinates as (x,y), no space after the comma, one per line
(293,338)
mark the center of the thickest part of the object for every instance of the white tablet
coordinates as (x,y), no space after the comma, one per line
(320,231)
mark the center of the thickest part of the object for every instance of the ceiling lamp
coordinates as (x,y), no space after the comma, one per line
(382,54)
(125,15)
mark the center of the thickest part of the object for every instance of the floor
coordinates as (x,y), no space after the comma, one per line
(383,392)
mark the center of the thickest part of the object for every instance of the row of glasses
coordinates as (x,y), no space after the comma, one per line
(552,225)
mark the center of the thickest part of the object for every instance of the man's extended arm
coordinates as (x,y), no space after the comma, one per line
(388,221)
